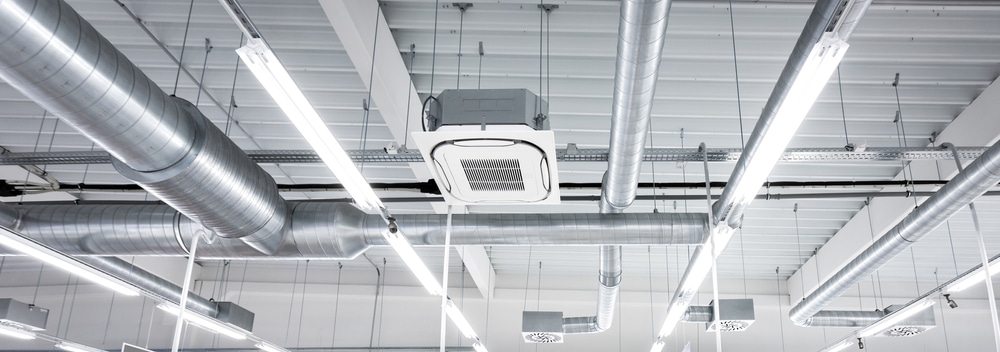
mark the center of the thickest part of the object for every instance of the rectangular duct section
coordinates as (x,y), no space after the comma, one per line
(542,327)
(23,315)
(734,315)
(918,323)
(235,315)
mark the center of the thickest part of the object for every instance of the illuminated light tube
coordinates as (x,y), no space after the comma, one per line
(658,346)
(16,333)
(459,320)
(973,279)
(50,256)
(279,84)
(405,251)
(839,346)
(823,59)
(697,271)
(75,347)
(895,317)
(479,347)
(267,347)
(204,322)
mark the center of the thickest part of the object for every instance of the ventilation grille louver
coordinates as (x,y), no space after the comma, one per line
(542,337)
(493,174)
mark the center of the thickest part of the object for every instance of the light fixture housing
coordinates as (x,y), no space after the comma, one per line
(658,345)
(15,241)
(459,320)
(479,347)
(840,346)
(264,65)
(268,347)
(973,278)
(10,331)
(823,59)
(894,318)
(205,322)
(402,246)
(75,347)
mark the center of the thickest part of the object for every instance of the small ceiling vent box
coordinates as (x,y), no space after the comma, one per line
(491,147)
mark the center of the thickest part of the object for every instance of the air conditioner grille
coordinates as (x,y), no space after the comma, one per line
(494,174)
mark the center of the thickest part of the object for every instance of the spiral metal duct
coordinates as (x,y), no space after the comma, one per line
(53,56)
(977,178)
(843,319)
(156,229)
(151,283)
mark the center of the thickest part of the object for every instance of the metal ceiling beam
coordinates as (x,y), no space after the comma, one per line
(563,155)
(974,126)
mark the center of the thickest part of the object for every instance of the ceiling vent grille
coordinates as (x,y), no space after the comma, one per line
(493,174)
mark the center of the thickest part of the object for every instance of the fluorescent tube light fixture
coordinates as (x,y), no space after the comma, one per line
(658,346)
(823,59)
(204,322)
(973,278)
(75,347)
(894,318)
(459,320)
(10,331)
(19,243)
(840,346)
(405,251)
(479,347)
(267,347)
(264,65)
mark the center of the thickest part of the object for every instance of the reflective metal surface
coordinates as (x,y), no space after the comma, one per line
(56,58)
(977,178)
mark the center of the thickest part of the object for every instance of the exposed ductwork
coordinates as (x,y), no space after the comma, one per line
(156,229)
(150,283)
(981,175)
(641,34)
(843,318)
(56,58)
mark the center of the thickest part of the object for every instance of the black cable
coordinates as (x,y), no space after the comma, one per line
(423,111)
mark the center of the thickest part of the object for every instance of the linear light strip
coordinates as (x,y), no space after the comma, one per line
(204,322)
(264,65)
(16,333)
(823,59)
(17,242)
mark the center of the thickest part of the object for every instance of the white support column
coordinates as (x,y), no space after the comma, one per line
(393,93)
(975,126)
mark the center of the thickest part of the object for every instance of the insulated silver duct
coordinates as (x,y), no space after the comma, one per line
(981,175)
(330,230)
(53,56)
(843,318)
(150,283)
(827,16)
(641,33)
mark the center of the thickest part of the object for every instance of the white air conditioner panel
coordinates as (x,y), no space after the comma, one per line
(492,167)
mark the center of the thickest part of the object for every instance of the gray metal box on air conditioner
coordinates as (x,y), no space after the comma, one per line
(468,107)
(542,327)
(23,315)
(235,315)
(918,323)
(734,315)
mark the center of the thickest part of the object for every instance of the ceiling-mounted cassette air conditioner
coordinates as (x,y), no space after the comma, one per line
(490,147)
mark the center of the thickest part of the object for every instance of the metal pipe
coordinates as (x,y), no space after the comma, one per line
(641,33)
(978,177)
(153,285)
(156,229)
(56,58)
(843,318)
